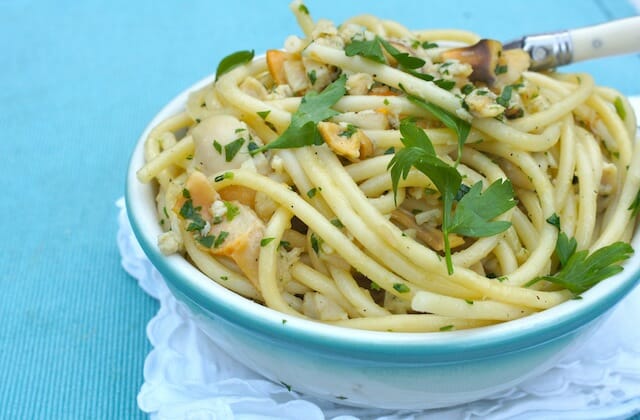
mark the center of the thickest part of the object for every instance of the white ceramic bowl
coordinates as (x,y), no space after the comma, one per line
(365,368)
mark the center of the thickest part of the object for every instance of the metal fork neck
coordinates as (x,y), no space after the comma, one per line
(549,50)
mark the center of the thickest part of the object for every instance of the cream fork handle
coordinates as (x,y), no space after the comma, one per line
(553,49)
(612,38)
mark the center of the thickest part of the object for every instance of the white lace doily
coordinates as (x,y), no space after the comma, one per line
(187,375)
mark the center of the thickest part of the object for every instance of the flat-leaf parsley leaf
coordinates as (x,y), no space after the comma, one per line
(475,211)
(314,107)
(582,271)
(233,60)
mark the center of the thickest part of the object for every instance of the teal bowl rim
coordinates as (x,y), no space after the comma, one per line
(362,345)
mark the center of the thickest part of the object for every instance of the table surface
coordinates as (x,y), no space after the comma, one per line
(78,83)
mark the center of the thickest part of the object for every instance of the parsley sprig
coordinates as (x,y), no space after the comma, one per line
(579,271)
(232,149)
(314,107)
(475,210)
(582,271)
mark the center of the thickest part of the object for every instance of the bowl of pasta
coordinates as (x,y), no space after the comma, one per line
(373,216)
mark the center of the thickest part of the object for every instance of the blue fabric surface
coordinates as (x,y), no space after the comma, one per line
(78,83)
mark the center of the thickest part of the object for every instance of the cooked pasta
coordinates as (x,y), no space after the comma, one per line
(371,176)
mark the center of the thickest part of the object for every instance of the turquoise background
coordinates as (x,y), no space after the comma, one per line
(78,83)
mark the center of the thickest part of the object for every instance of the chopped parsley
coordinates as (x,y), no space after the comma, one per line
(191,213)
(196,225)
(505,96)
(401,288)
(446,328)
(266,241)
(226,175)
(206,241)
(337,223)
(217,146)
(232,210)
(220,239)
(263,114)
(349,131)
(312,77)
(286,245)
(467,89)
(501,69)
(232,149)
(445,84)
(620,110)
(316,243)
(251,146)
(312,192)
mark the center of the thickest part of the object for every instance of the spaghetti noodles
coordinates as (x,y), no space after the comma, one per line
(375,177)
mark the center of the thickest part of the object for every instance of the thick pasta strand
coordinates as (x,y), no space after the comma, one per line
(412,323)
(268,265)
(466,309)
